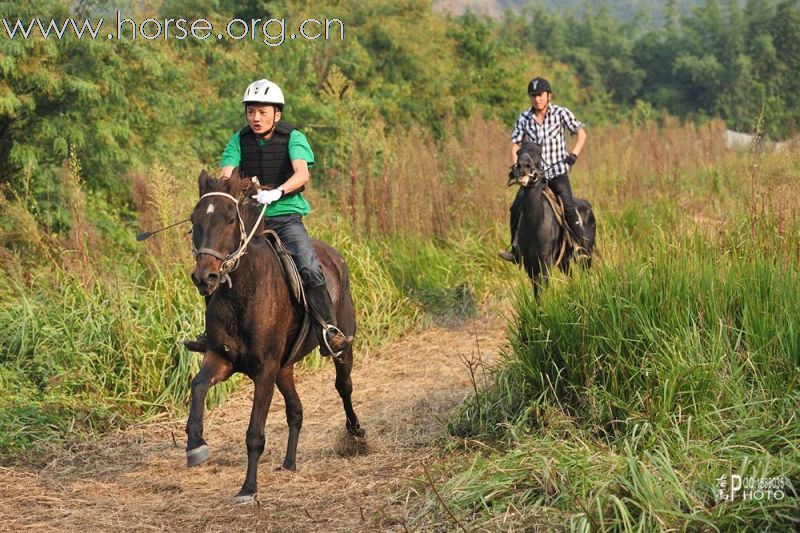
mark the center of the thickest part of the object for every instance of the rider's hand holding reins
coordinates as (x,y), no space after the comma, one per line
(267,197)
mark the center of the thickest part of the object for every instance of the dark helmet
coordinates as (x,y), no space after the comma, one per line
(538,86)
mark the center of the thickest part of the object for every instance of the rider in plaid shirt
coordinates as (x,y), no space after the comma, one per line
(546,124)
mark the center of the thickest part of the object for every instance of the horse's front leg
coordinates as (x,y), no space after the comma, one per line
(294,414)
(213,369)
(264,387)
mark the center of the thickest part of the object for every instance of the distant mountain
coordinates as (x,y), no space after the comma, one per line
(624,9)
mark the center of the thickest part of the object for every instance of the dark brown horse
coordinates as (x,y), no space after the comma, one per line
(252,321)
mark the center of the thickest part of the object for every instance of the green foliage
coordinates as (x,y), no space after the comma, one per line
(123,104)
(141,116)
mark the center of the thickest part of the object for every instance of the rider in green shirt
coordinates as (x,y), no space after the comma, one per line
(279,155)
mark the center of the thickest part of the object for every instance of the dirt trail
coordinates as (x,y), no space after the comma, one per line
(137,479)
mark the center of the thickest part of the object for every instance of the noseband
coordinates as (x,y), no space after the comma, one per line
(230,260)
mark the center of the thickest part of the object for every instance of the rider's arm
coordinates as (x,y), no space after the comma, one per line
(516,137)
(226,172)
(302,159)
(231,157)
(579,142)
(514,149)
(299,178)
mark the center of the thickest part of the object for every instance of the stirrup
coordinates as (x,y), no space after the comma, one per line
(581,254)
(335,330)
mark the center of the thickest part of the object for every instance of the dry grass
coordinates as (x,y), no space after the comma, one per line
(161,199)
(77,257)
(400,184)
(407,184)
(135,480)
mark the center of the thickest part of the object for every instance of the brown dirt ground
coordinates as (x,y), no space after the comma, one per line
(136,479)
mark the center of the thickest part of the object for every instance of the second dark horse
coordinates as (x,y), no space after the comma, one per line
(252,321)
(539,236)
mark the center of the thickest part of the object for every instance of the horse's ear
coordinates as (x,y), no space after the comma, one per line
(233,184)
(204,181)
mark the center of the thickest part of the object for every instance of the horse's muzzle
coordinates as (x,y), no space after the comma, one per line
(206,278)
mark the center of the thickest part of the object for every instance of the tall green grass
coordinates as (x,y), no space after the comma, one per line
(93,355)
(629,391)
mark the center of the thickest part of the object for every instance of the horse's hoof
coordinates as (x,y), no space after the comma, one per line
(357,432)
(198,455)
(244,499)
(286,468)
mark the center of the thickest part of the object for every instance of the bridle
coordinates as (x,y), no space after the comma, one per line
(529,179)
(230,260)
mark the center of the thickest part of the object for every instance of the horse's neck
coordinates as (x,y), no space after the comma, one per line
(257,265)
(535,203)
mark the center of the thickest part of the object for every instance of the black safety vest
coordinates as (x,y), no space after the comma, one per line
(269,161)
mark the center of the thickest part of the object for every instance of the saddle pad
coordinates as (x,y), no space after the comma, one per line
(558,210)
(290,271)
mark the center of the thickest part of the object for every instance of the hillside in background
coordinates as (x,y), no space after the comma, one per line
(653,11)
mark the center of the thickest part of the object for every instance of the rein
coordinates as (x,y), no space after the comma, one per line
(231,260)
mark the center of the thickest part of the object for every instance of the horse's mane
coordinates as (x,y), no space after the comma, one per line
(531,148)
(249,208)
(240,188)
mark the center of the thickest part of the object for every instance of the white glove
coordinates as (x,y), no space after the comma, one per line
(267,197)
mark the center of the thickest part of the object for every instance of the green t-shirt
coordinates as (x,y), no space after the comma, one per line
(298,149)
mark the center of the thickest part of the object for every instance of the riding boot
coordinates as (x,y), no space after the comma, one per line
(581,251)
(200,344)
(512,255)
(561,187)
(331,339)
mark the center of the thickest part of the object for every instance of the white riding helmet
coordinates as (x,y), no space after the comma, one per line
(264,92)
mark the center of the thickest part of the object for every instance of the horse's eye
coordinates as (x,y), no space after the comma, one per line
(230,219)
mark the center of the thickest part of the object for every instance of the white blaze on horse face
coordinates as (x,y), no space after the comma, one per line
(210,209)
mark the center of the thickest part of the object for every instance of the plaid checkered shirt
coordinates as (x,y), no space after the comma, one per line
(549,135)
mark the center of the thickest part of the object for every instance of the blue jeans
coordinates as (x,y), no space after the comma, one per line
(295,238)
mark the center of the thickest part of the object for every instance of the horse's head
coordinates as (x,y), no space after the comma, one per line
(528,172)
(217,228)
